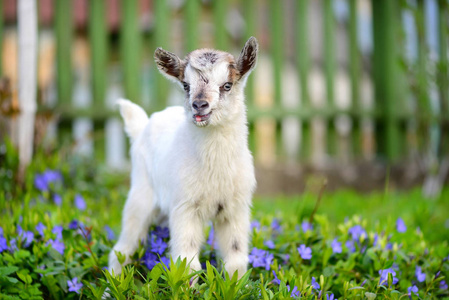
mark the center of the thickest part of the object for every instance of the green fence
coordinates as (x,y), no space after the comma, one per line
(411,105)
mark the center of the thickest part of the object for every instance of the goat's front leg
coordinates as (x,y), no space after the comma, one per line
(186,236)
(137,216)
(233,237)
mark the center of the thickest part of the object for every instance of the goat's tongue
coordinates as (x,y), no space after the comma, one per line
(198,118)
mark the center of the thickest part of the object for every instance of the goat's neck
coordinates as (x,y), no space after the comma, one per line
(220,144)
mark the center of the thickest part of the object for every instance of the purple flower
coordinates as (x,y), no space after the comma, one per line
(1,230)
(158,246)
(384,276)
(79,202)
(443,285)
(400,225)
(40,228)
(162,232)
(52,176)
(276,280)
(331,297)
(57,199)
(40,183)
(315,284)
(58,231)
(109,233)
(270,244)
(27,238)
(3,244)
(211,239)
(13,245)
(305,252)
(150,260)
(57,245)
(357,232)
(419,274)
(255,224)
(74,285)
(336,246)
(165,261)
(350,245)
(260,258)
(276,226)
(413,289)
(295,292)
(306,226)
(74,224)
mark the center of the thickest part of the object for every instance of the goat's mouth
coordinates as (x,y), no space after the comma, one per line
(201,120)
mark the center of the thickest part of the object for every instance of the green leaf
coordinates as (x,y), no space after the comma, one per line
(4,271)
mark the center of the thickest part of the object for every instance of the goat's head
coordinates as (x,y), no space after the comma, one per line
(213,80)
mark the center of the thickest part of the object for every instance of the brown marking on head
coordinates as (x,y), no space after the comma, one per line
(234,73)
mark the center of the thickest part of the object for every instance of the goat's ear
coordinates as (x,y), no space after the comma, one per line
(170,65)
(248,57)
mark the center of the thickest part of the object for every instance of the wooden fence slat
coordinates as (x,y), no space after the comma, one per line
(220,13)
(354,67)
(64,39)
(99,58)
(385,74)
(303,66)
(130,49)
(1,37)
(192,17)
(277,54)
(329,65)
(98,49)
(161,38)
(250,12)
(443,81)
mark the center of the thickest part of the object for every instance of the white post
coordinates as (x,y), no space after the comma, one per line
(27,25)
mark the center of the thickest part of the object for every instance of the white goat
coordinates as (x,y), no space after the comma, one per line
(192,164)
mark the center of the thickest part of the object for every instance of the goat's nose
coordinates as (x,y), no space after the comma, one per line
(200,105)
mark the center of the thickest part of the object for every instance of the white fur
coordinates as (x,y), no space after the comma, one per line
(184,171)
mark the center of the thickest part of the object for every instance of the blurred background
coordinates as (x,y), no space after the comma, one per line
(353,92)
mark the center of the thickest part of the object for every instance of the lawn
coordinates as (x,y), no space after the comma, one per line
(58,228)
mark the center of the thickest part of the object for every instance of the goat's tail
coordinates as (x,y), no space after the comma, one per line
(134,116)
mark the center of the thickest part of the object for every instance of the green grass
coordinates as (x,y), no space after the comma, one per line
(34,269)
(431,215)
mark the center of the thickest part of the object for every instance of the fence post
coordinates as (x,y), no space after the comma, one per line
(27,32)
(385,71)
(303,62)
(130,49)
(161,37)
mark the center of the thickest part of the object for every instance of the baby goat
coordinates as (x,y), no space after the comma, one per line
(192,164)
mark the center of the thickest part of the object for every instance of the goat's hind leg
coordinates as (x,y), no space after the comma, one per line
(137,215)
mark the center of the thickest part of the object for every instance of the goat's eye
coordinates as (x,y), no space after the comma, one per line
(227,86)
(186,86)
